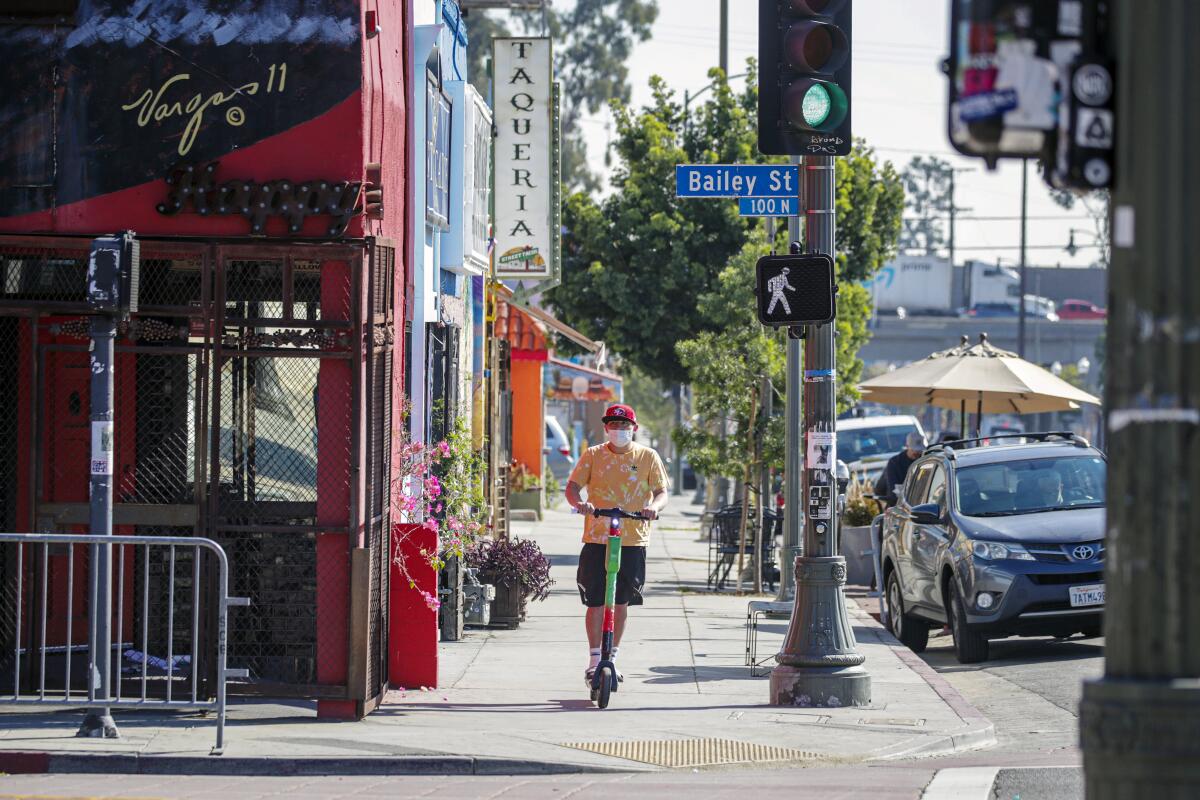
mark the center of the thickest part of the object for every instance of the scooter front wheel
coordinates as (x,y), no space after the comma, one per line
(605,688)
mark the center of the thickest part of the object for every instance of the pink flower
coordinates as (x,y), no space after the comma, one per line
(431,524)
(438,510)
(433,603)
(444,448)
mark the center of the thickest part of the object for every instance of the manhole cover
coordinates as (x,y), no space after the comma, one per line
(693,752)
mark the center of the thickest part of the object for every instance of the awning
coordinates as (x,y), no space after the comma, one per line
(547,319)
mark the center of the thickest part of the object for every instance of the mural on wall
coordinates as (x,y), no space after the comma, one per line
(135,87)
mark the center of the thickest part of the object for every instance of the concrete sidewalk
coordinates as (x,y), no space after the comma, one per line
(514,702)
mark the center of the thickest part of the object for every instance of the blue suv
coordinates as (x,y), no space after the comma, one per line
(997,540)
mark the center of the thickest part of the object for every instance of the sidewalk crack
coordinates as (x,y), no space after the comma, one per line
(686,619)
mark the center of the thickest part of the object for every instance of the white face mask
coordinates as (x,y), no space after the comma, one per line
(620,438)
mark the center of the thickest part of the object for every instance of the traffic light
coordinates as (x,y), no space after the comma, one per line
(804,77)
(794,290)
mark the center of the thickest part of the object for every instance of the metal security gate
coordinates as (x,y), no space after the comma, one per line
(156,604)
(253,407)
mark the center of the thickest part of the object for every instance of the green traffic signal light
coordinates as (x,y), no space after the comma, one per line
(804,76)
(815,105)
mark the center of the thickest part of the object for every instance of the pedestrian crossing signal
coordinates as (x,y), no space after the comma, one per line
(794,290)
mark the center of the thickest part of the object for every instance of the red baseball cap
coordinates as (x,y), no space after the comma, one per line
(619,411)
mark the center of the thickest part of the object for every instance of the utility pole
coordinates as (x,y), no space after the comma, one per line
(818,665)
(793,463)
(724,59)
(1024,217)
(954,209)
(1140,723)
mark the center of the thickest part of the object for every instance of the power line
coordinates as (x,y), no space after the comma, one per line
(963,218)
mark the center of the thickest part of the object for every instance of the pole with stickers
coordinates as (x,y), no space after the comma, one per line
(818,664)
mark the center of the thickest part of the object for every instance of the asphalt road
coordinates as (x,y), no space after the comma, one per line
(1030,688)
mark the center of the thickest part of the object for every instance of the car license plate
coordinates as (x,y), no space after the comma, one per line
(1092,595)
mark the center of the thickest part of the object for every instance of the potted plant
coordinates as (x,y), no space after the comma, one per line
(856,545)
(524,489)
(518,569)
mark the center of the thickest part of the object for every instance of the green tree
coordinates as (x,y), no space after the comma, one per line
(636,264)
(651,400)
(592,43)
(668,283)
(927,188)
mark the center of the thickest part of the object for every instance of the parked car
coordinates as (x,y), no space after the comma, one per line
(992,310)
(1081,309)
(866,443)
(996,541)
(559,457)
(1040,307)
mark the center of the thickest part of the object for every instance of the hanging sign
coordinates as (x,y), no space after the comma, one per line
(524,178)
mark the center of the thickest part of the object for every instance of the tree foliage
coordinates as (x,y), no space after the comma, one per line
(636,264)
(927,188)
(592,43)
(668,283)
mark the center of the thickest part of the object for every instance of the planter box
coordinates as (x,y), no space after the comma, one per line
(508,609)
(857,550)
(526,501)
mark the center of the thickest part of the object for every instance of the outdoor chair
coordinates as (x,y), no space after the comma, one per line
(723,545)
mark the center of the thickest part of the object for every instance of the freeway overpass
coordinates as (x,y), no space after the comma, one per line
(898,341)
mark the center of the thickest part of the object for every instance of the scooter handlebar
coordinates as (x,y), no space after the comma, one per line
(617,513)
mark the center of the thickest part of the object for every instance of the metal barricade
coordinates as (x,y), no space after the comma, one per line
(27,611)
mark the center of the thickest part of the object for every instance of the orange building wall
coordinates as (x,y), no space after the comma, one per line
(528,426)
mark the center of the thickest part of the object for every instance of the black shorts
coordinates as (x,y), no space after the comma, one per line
(592,574)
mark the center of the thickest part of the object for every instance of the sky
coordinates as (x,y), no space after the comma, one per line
(899,107)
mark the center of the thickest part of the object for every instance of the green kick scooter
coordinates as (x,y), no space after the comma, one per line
(604,679)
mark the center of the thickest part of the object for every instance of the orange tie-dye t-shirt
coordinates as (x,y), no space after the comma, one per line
(626,480)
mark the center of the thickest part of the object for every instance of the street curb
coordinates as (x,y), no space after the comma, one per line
(40,763)
(978,733)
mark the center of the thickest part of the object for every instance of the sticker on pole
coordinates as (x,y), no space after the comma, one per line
(822,450)
(102,447)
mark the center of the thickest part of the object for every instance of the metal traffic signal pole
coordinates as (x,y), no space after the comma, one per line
(793,465)
(1140,724)
(818,665)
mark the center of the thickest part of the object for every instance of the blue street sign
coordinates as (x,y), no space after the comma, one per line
(737,180)
(768,206)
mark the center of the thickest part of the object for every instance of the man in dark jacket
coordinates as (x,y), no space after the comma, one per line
(897,468)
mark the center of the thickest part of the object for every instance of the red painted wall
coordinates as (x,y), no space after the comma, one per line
(412,626)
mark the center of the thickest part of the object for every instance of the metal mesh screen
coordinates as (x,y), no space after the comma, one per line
(29,273)
(220,430)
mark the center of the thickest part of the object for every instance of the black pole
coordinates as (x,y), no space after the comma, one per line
(818,665)
(99,722)
(1140,723)
(1024,216)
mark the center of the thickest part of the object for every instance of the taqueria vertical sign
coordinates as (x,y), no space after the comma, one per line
(524,178)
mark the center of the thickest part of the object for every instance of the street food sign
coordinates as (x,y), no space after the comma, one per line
(525,176)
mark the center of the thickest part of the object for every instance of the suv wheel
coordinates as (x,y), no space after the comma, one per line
(970,646)
(913,633)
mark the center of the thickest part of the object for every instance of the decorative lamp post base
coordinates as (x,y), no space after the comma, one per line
(825,687)
(818,663)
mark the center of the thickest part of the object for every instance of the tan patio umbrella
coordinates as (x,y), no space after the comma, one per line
(994,381)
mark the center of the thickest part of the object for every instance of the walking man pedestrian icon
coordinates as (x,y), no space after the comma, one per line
(776,286)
